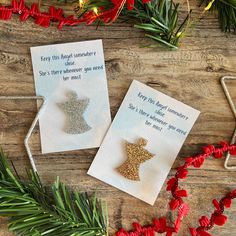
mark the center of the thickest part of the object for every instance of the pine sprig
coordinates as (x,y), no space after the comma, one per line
(33,211)
(159,19)
(226,13)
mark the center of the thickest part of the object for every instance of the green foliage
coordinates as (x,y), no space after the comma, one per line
(33,211)
(159,19)
(87,5)
(90,4)
(226,13)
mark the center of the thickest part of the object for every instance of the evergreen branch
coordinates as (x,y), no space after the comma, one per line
(226,13)
(159,18)
(33,211)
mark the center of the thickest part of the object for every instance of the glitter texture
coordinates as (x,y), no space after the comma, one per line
(74,109)
(136,156)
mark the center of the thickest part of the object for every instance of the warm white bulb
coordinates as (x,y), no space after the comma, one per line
(95,10)
(179,34)
(81,3)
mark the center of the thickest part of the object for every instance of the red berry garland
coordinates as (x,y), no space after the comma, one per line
(177,202)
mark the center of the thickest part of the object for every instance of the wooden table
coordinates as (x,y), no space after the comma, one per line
(190,75)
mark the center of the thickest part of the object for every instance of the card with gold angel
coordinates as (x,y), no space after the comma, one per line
(72,79)
(143,141)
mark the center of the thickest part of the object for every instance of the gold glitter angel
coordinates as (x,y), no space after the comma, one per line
(136,156)
(74,109)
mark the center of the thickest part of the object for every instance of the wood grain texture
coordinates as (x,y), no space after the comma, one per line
(190,75)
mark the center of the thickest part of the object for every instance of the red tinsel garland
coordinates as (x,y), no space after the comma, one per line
(41,18)
(56,14)
(177,202)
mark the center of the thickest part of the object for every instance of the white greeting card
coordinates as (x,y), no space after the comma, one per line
(146,114)
(72,78)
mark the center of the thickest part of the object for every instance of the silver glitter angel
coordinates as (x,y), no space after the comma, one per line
(74,109)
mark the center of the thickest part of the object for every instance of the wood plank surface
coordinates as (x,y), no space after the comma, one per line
(191,74)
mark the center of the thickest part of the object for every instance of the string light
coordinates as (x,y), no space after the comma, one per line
(95,10)
(81,3)
(178,34)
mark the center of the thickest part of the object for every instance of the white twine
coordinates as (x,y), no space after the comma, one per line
(26,141)
(233,108)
